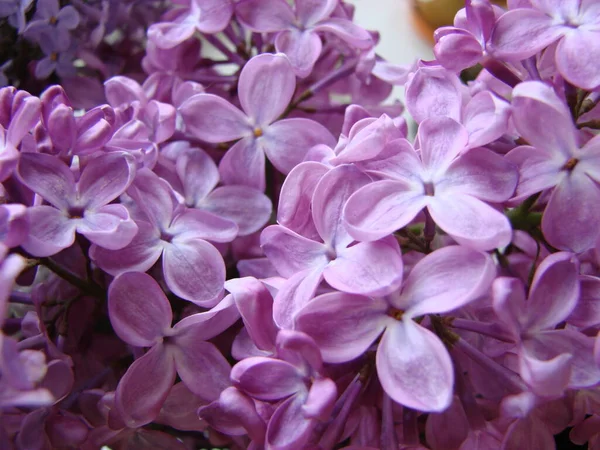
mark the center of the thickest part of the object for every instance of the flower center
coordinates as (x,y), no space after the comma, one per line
(53,56)
(76,212)
(258,132)
(52,20)
(570,164)
(395,313)
(429,189)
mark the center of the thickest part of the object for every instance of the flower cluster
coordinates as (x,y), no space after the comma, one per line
(254,252)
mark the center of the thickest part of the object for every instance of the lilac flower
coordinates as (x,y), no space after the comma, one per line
(464,44)
(297,29)
(15,11)
(265,87)
(59,56)
(179,24)
(364,268)
(141,316)
(549,360)
(193,268)
(20,112)
(50,18)
(296,378)
(14,225)
(556,160)
(451,183)
(412,363)
(523,32)
(77,206)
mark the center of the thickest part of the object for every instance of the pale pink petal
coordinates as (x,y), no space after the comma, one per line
(571,217)
(266,87)
(446,280)
(138,309)
(382,207)
(370,268)
(212,119)
(244,164)
(343,325)
(414,367)
(287,141)
(145,386)
(194,271)
(470,221)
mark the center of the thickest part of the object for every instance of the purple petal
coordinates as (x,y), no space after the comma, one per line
(255,305)
(265,15)
(194,271)
(201,366)
(110,227)
(213,119)
(170,34)
(414,367)
(543,119)
(139,311)
(587,310)
(321,399)
(141,254)
(570,63)
(23,120)
(287,141)
(161,118)
(382,207)
(145,386)
(196,170)
(509,302)
(105,178)
(121,90)
(480,173)
(370,268)
(296,196)
(470,221)
(208,324)
(310,12)
(288,428)
(522,33)
(486,118)
(296,292)
(569,221)
(446,280)
(291,253)
(198,224)
(433,91)
(329,198)
(547,378)
(343,325)
(68,17)
(154,196)
(539,169)
(244,164)
(301,47)
(456,49)
(50,231)
(267,378)
(214,15)
(442,139)
(47,176)
(347,31)
(299,349)
(554,291)
(266,87)
(249,208)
